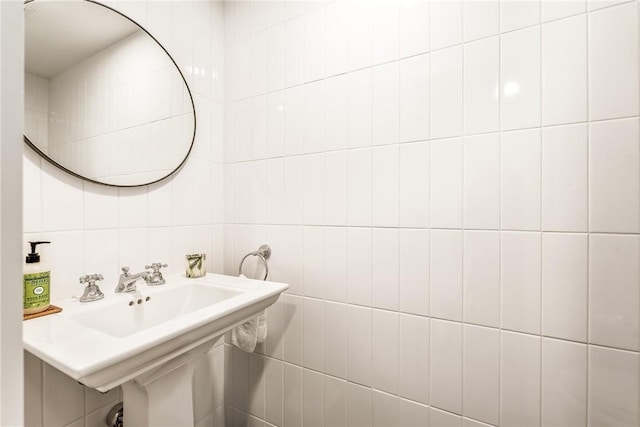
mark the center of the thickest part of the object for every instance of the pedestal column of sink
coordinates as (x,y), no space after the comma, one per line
(164,396)
(163,401)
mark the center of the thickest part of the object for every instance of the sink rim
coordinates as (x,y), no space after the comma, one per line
(83,352)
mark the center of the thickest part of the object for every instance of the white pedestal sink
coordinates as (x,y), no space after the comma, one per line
(147,340)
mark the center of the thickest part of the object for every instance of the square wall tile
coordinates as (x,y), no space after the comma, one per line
(614,291)
(482,278)
(385,272)
(446,166)
(481,19)
(482,182)
(446,365)
(414,358)
(520,260)
(414,271)
(481,86)
(414,185)
(520,74)
(564,383)
(481,373)
(613,387)
(414,27)
(446,85)
(445,23)
(519,380)
(445,275)
(564,286)
(520,174)
(385,351)
(414,98)
(564,71)
(614,176)
(613,62)
(564,178)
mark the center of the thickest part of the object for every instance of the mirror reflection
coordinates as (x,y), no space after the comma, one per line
(103,99)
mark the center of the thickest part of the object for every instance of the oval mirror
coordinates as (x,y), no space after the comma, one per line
(103,99)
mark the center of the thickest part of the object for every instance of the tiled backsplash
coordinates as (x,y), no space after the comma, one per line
(98,229)
(451,189)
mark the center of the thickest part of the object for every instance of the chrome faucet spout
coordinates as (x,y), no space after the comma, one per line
(127,281)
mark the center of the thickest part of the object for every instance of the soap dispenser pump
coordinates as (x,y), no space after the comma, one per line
(36,281)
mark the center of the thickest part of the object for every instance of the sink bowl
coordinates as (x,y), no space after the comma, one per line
(129,336)
(133,316)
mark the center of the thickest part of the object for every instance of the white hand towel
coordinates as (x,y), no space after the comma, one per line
(250,333)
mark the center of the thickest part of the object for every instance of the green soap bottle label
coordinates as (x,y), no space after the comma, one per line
(36,289)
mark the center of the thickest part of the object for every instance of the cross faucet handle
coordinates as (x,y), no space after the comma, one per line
(91,279)
(155,276)
(156,266)
(92,291)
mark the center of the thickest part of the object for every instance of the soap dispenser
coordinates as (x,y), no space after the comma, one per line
(36,280)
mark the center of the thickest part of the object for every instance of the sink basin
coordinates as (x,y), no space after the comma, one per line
(166,304)
(130,336)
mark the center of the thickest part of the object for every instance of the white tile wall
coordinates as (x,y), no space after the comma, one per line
(451,192)
(98,229)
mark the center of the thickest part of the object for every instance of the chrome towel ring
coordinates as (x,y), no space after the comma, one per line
(264,253)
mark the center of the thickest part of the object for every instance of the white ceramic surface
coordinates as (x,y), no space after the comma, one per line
(105,343)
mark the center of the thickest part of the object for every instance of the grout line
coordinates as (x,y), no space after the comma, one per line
(588,212)
(540,208)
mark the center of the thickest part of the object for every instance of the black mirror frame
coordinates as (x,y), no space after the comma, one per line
(193,136)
